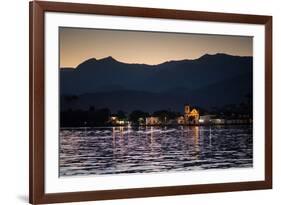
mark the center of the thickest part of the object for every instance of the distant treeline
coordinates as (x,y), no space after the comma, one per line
(101,117)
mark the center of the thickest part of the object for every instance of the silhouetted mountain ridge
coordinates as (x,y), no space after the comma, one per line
(92,74)
(211,80)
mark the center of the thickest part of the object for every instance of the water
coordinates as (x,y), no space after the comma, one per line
(116,150)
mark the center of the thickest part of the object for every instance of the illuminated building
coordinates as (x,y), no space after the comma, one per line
(191,116)
(152,121)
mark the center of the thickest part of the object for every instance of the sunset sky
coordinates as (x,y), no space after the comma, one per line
(79,44)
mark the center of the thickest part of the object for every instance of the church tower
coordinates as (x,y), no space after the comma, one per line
(186,109)
(186,113)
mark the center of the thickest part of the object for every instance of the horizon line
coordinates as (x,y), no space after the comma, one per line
(167,61)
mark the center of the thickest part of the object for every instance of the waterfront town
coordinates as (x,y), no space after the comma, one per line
(190,116)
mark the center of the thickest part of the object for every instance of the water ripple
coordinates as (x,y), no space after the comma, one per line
(116,150)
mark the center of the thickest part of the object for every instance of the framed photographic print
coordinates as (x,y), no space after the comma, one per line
(139,102)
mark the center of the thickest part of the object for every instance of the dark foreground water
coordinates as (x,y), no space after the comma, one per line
(116,150)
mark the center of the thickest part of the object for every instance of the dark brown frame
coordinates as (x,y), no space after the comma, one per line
(37,194)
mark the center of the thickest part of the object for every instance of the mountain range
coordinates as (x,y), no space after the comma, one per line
(211,80)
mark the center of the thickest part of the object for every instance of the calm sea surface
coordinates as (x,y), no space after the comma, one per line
(116,150)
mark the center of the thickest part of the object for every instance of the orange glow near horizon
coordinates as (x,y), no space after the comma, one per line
(80,44)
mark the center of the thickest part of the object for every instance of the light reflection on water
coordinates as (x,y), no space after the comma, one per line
(114,150)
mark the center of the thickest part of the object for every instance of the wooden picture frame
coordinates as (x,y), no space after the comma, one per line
(37,194)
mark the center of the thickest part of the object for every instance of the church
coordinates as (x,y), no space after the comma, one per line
(190,117)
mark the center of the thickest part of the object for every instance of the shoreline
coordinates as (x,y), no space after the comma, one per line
(175,125)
